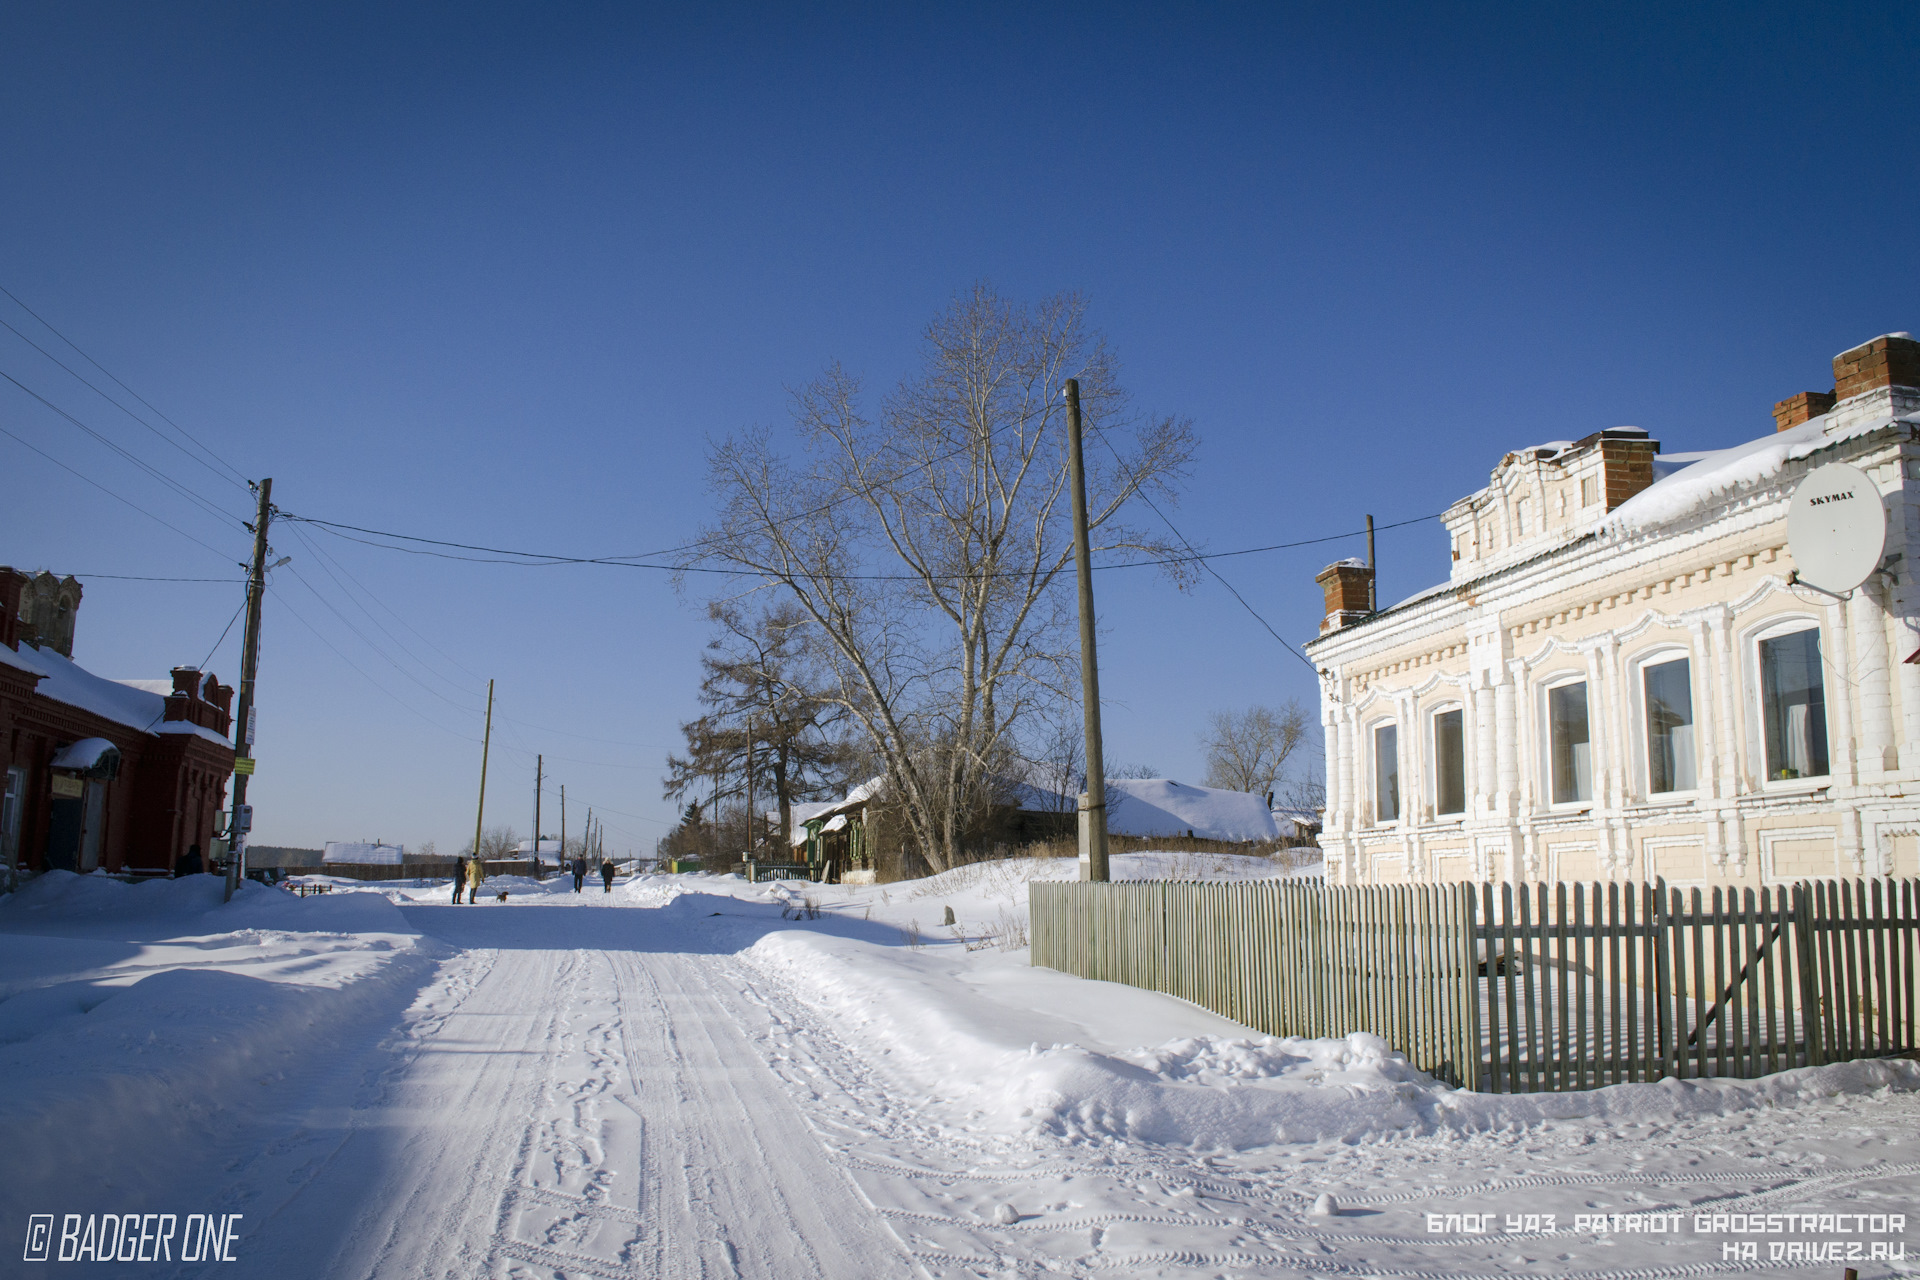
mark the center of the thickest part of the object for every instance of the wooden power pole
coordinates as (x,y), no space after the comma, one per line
(563,832)
(539,780)
(1373,573)
(486,742)
(1093,802)
(242,821)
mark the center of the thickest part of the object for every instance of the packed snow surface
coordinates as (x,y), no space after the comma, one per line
(694,1076)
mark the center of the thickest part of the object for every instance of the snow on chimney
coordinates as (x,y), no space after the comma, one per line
(1891,360)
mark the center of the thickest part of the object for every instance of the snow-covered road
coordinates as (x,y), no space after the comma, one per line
(693,1077)
(587,1100)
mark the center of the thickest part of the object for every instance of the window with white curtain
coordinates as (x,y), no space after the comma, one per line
(1568,743)
(1793,706)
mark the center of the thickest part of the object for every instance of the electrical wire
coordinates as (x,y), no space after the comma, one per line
(151,470)
(134,577)
(243,482)
(544,560)
(369,642)
(315,547)
(111,494)
(77,377)
(1204,561)
(322,562)
(297,617)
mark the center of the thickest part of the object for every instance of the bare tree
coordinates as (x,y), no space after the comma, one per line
(1248,750)
(929,549)
(496,844)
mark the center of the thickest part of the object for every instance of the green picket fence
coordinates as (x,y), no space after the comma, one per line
(1518,989)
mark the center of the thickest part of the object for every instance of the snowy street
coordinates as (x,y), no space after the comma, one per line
(696,1077)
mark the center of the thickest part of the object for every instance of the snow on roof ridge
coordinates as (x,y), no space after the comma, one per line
(1720,472)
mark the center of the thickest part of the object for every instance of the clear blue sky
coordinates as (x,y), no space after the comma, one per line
(495,274)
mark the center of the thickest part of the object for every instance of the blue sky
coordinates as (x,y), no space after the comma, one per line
(496,274)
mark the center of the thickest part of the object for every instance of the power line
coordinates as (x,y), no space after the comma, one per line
(365,590)
(133,577)
(377,623)
(1147,498)
(242,480)
(116,404)
(296,615)
(368,641)
(151,470)
(532,559)
(111,494)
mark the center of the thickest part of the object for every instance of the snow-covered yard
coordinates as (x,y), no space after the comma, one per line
(693,1076)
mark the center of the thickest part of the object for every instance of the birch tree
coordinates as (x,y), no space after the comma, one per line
(927,540)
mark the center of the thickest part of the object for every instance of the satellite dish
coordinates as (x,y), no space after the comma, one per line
(1836,528)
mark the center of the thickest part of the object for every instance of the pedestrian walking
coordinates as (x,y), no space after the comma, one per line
(459,880)
(579,872)
(606,874)
(476,876)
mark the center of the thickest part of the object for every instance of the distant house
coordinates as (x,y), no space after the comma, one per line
(835,836)
(1298,823)
(100,774)
(1149,807)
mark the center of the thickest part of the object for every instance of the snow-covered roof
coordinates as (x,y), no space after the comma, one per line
(66,681)
(362,854)
(546,845)
(1163,807)
(1713,474)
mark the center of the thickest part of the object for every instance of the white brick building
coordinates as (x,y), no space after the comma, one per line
(1621,678)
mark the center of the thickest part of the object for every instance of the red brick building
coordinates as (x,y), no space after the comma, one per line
(98,773)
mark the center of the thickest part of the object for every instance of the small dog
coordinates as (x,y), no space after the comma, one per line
(501,896)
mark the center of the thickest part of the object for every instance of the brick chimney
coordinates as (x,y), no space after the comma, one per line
(1804,407)
(182,703)
(1348,585)
(1891,360)
(1626,462)
(12,583)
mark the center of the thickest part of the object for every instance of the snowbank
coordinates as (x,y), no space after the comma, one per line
(138,1019)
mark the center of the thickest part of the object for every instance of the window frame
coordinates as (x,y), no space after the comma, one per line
(1433,761)
(1642,721)
(1778,628)
(1373,771)
(1560,680)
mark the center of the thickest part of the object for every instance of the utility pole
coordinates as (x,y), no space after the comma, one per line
(539,780)
(1373,574)
(749,788)
(486,741)
(563,831)
(1093,801)
(242,820)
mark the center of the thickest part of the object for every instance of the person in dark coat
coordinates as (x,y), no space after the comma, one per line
(579,872)
(189,863)
(459,880)
(606,874)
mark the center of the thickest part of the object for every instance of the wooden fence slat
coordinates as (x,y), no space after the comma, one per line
(1586,986)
